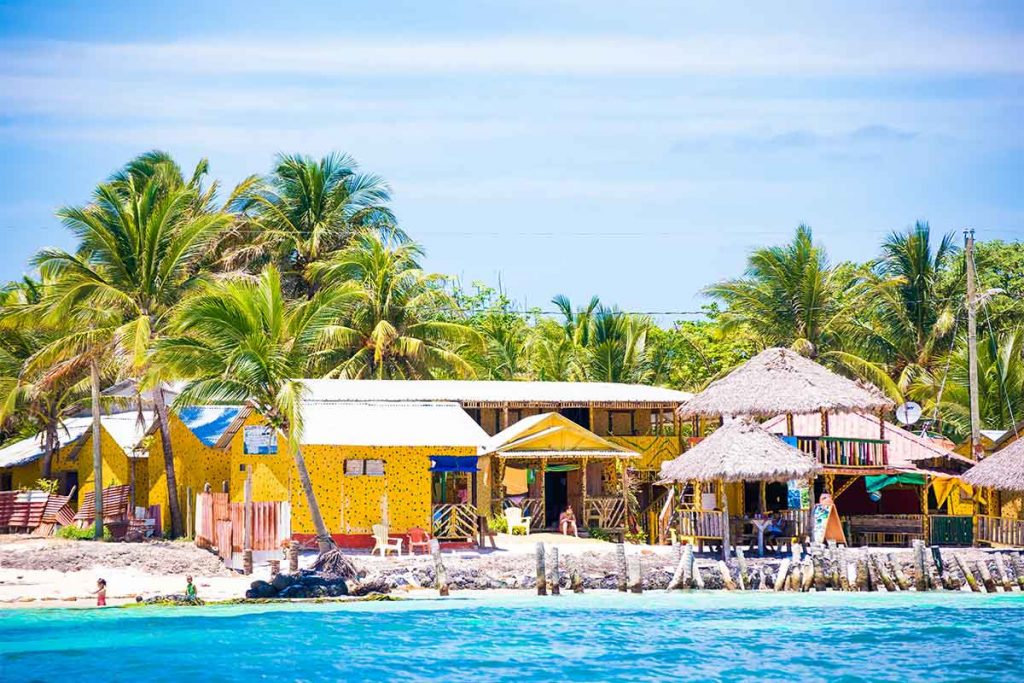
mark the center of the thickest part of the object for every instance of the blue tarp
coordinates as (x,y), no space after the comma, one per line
(208,423)
(453,463)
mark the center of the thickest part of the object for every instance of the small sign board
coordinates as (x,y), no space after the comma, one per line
(374,468)
(259,440)
(798,495)
(827,526)
(354,468)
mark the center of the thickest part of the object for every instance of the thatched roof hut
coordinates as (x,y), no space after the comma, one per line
(1003,470)
(740,451)
(779,381)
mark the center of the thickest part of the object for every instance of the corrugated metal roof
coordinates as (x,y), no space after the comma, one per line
(905,447)
(390,424)
(208,423)
(124,428)
(472,391)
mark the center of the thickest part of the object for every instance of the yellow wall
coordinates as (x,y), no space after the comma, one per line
(350,505)
(195,465)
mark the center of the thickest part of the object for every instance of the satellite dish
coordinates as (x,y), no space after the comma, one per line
(908,413)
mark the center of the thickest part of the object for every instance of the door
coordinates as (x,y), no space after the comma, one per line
(556,496)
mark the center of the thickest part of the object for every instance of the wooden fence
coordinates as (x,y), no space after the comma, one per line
(1000,531)
(221,524)
(454,521)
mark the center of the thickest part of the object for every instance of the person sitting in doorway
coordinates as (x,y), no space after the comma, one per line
(567,523)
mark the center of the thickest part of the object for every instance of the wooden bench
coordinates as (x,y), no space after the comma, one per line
(885,530)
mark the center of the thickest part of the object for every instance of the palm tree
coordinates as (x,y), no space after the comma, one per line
(908,319)
(789,296)
(304,212)
(396,327)
(1000,385)
(240,340)
(142,240)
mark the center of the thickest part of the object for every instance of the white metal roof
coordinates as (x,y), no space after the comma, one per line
(473,391)
(390,424)
(124,428)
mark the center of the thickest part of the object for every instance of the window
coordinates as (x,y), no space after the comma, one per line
(369,468)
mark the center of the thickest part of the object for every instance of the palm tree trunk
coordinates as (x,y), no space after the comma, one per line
(177,526)
(323,537)
(97,455)
(50,447)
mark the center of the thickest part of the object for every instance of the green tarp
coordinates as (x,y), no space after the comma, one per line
(877,482)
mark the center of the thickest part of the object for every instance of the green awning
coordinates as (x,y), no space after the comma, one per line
(877,482)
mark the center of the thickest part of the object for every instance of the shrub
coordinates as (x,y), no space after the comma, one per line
(598,534)
(498,525)
(76,534)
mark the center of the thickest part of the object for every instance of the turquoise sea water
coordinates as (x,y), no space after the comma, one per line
(594,637)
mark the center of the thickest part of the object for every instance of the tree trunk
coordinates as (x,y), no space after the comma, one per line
(50,447)
(323,537)
(97,454)
(177,527)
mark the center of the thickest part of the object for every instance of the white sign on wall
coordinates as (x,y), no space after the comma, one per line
(259,440)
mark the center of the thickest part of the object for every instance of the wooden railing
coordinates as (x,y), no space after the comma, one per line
(894,530)
(1001,531)
(454,521)
(834,451)
(605,512)
(798,518)
(534,509)
(700,524)
(951,530)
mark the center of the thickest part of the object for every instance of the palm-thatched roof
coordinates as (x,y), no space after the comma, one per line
(1003,470)
(779,381)
(740,451)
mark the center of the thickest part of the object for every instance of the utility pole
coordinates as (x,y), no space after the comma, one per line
(972,344)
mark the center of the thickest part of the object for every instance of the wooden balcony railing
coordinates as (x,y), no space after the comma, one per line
(700,523)
(1001,531)
(451,521)
(605,512)
(534,509)
(834,451)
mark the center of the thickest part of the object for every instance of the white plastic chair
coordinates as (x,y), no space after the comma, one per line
(515,520)
(383,543)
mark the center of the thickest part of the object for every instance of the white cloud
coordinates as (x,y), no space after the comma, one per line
(721,54)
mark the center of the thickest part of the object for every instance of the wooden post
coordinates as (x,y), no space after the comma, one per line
(986,576)
(293,557)
(1004,577)
(440,574)
(695,575)
(741,560)
(925,517)
(625,494)
(764,495)
(726,540)
(968,576)
(780,578)
(727,581)
(189,525)
(543,495)
(1018,569)
(247,510)
(583,492)
(806,574)
(275,567)
(247,561)
(575,580)
(679,575)
(818,570)
(920,570)
(542,578)
(902,582)
(845,582)
(863,580)
(637,575)
(556,574)
(622,579)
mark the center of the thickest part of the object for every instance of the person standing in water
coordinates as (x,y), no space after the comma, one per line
(101,592)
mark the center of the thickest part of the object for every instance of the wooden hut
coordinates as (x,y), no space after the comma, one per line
(1002,473)
(739,451)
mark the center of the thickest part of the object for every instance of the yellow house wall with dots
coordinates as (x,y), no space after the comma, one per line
(350,505)
(195,465)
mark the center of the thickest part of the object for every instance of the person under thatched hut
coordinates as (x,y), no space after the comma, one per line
(739,451)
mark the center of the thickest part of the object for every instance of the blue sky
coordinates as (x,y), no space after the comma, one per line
(633,150)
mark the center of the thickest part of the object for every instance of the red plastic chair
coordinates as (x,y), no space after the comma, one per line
(418,538)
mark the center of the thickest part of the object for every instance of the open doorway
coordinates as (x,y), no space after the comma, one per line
(556,496)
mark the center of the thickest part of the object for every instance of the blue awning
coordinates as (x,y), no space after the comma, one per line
(453,463)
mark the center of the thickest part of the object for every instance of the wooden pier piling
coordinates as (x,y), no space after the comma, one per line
(542,577)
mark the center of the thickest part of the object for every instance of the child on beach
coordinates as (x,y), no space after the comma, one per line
(101,592)
(190,588)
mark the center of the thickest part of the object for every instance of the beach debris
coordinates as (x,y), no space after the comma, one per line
(620,551)
(556,576)
(741,562)
(542,579)
(335,563)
